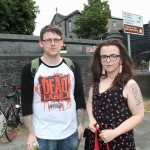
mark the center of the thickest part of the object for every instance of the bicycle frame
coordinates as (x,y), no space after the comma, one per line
(12,111)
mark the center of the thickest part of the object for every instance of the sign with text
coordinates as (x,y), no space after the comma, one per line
(90,49)
(132,23)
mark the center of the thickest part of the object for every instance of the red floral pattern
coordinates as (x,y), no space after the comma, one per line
(110,109)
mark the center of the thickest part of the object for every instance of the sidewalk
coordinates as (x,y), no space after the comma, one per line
(142,137)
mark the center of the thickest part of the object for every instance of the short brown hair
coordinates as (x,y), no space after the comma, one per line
(50,28)
(127,64)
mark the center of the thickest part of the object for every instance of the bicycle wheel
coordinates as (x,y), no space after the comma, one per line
(3,123)
(11,126)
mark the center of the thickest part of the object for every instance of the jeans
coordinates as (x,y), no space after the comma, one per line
(69,143)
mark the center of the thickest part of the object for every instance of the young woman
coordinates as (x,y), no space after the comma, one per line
(115,103)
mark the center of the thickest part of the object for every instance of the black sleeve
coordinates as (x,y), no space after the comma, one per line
(27,84)
(79,92)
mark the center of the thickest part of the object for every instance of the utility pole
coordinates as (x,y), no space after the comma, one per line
(149,27)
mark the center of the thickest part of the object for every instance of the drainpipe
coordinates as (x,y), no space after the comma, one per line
(65,29)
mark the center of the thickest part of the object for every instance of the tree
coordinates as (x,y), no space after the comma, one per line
(93,19)
(18,16)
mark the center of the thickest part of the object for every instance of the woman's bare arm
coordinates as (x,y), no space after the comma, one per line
(92,121)
(135,104)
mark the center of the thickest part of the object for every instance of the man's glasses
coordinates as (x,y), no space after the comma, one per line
(49,41)
(112,57)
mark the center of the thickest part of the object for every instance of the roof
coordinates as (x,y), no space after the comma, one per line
(112,17)
(114,34)
(57,14)
(68,16)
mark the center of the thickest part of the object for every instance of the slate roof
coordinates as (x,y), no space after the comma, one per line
(114,34)
(66,17)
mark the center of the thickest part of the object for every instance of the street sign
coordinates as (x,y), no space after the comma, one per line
(90,49)
(132,23)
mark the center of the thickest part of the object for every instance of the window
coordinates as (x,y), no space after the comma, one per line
(60,26)
(114,25)
(70,28)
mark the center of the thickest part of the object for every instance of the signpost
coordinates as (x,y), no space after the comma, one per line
(149,67)
(132,24)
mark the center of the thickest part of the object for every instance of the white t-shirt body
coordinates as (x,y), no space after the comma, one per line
(54,107)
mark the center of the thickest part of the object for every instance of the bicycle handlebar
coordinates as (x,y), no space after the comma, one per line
(15,87)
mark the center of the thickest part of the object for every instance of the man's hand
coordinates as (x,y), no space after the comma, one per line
(31,139)
(31,136)
(80,132)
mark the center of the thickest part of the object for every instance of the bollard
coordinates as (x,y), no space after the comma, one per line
(149,67)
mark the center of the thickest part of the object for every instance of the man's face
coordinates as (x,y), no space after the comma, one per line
(51,44)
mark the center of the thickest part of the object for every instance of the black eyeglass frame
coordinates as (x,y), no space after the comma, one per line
(109,57)
(50,40)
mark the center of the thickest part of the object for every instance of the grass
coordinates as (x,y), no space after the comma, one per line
(147,106)
(20,131)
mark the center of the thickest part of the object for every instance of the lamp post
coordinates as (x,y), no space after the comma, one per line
(149,27)
(149,34)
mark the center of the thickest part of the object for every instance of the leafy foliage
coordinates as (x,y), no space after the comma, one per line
(18,16)
(93,20)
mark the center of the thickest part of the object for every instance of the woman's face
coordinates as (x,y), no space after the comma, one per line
(110,58)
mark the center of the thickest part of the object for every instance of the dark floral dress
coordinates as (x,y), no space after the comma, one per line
(110,109)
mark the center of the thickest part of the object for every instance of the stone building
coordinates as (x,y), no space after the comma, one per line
(66,23)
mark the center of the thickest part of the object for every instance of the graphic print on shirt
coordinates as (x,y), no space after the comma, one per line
(55,91)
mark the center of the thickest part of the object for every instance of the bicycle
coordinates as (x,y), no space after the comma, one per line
(12,112)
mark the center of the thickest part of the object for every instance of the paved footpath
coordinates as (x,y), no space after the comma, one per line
(142,138)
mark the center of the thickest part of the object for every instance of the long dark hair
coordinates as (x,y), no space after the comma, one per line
(127,64)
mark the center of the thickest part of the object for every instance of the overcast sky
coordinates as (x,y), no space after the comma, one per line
(65,7)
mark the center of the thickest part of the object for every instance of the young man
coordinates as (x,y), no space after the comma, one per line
(53,98)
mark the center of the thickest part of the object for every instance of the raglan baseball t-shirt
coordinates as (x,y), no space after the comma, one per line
(50,98)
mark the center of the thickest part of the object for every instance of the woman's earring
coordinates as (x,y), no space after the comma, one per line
(103,71)
(120,68)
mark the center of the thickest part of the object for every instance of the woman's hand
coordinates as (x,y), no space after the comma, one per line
(93,124)
(108,135)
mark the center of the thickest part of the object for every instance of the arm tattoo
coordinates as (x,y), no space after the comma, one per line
(80,116)
(29,125)
(136,93)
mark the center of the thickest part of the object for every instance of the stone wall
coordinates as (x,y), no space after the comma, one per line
(11,67)
(28,45)
(17,50)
